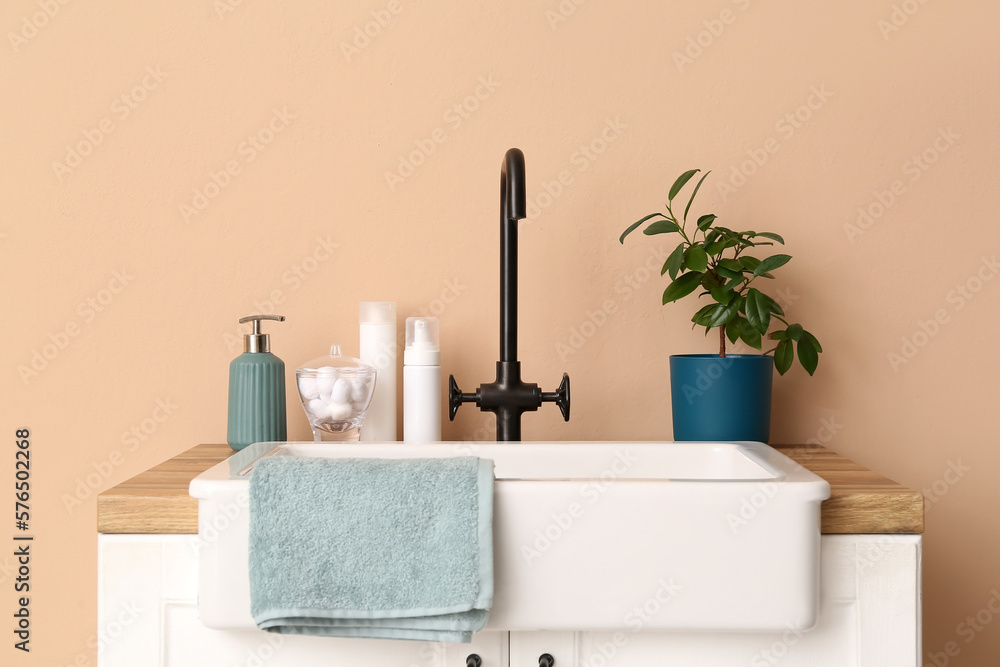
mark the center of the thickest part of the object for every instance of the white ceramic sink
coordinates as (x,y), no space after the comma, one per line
(590,535)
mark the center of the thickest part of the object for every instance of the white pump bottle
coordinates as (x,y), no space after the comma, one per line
(422,381)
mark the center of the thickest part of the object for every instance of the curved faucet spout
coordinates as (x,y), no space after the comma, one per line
(512,199)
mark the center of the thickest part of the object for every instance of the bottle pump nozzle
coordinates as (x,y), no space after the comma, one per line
(257,341)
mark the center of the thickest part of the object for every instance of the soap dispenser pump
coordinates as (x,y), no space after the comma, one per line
(256,390)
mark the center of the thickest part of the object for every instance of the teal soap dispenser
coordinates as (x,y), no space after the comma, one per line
(256,390)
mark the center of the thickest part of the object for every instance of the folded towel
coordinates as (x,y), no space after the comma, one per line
(386,548)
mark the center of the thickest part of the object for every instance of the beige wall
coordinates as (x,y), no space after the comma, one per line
(170,92)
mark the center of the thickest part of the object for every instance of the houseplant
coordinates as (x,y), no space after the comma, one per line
(726,397)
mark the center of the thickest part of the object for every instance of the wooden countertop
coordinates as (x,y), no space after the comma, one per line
(861,501)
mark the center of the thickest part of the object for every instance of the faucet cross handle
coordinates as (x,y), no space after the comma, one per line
(456,398)
(560,396)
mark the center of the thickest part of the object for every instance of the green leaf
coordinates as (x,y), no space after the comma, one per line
(727,273)
(634,225)
(794,332)
(749,335)
(702,312)
(705,221)
(806,336)
(734,328)
(772,236)
(679,183)
(690,201)
(808,356)
(734,282)
(680,288)
(733,265)
(749,263)
(713,248)
(720,315)
(810,347)
(775,307)
(661,227)
(777,335)
(673,263)
(722,295)
(758,311)
(771,263)
(784,356)
(696,259)
(710,282)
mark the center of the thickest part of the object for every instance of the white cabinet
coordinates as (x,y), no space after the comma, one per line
(869,616)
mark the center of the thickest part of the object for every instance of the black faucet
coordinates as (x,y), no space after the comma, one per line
(508,396)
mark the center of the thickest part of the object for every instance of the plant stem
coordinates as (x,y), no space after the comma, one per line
(722,342)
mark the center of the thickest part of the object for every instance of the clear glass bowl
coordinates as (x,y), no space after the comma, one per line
(335,391)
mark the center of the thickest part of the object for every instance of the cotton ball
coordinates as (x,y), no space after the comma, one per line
(308,388)
(340,392)
(325,379)
(340,411)
(359,389)
(317,409)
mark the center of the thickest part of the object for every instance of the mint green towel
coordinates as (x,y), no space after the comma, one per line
(383,548)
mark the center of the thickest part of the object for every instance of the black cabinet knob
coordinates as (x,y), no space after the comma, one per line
(546,660)
(473,661)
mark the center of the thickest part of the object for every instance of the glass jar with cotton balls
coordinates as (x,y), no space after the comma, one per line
(335,391)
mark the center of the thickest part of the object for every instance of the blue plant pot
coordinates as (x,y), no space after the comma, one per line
(721,399)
